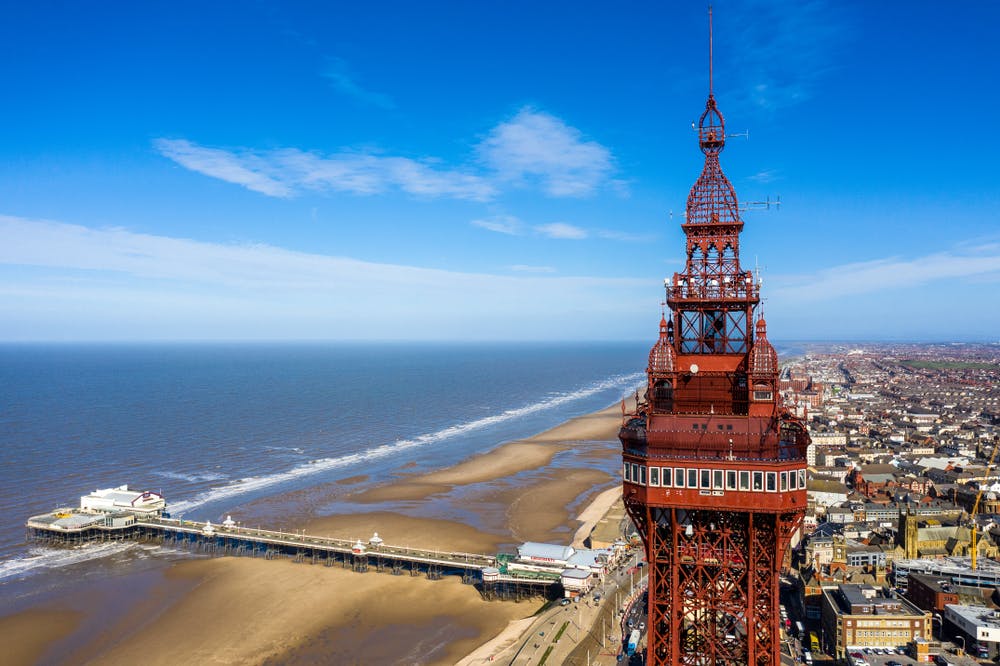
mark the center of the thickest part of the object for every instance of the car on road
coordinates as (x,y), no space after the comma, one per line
(564,602)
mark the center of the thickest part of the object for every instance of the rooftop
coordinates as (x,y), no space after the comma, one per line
(980,616)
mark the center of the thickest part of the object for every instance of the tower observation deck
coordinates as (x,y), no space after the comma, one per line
(714,465)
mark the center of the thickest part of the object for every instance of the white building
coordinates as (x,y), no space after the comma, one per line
(978,622)
(575,581)
(552,558)
(826,492)
(121,498)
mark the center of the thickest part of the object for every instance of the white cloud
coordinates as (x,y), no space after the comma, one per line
(884,274)
(534,144)
(502,224)
(88,283)
(340,76)
(508,224)
(242,169)
(765,176)
(289,171)
(561,230)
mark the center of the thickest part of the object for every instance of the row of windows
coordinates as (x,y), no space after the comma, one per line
(714,479)
(884,623)
(879,634)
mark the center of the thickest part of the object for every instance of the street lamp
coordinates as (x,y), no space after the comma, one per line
(963,641)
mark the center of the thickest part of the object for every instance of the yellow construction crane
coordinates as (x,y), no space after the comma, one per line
(975,507)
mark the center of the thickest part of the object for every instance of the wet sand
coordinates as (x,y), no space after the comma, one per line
(243,610)
(503,461)
(27,636)
(253,611)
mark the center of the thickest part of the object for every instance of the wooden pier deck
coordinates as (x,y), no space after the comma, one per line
(219,540)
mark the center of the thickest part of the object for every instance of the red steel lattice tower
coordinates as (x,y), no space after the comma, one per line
(714,465)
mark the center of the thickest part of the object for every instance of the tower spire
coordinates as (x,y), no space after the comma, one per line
(714,465)
(710,52)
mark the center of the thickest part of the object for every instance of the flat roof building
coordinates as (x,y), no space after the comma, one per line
(860,616)
(931,593)
(112,500)
(978,623)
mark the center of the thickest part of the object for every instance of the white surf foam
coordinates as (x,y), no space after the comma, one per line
(193,478)
(38,558)
(246,485)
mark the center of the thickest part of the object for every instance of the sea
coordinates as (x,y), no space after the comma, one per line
(215,425)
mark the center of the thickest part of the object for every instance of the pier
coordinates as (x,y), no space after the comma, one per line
(488,573)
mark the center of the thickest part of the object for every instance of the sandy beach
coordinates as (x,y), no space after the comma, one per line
(551,487)
(27,635)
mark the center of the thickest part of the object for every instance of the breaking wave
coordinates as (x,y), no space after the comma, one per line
(38,558)
(242,486)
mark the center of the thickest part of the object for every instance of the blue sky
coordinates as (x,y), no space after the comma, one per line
(480,171)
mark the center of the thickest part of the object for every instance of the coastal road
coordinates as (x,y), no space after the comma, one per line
(585,621)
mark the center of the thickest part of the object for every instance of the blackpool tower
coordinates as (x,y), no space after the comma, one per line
(714,465)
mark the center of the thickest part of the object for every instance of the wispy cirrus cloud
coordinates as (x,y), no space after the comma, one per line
(513,226)
(345,81)
(536,145)
(244,169)
(765,176)
(885,274)
(501,224)
(561,230)
(290,171)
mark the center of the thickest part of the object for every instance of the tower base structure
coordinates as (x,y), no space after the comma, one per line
(714,584)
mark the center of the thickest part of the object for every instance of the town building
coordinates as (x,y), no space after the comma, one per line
(979,626)
(931,593)
(860,616)
(115,500)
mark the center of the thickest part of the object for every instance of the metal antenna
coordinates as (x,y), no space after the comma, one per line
(710,50)
(761,205)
